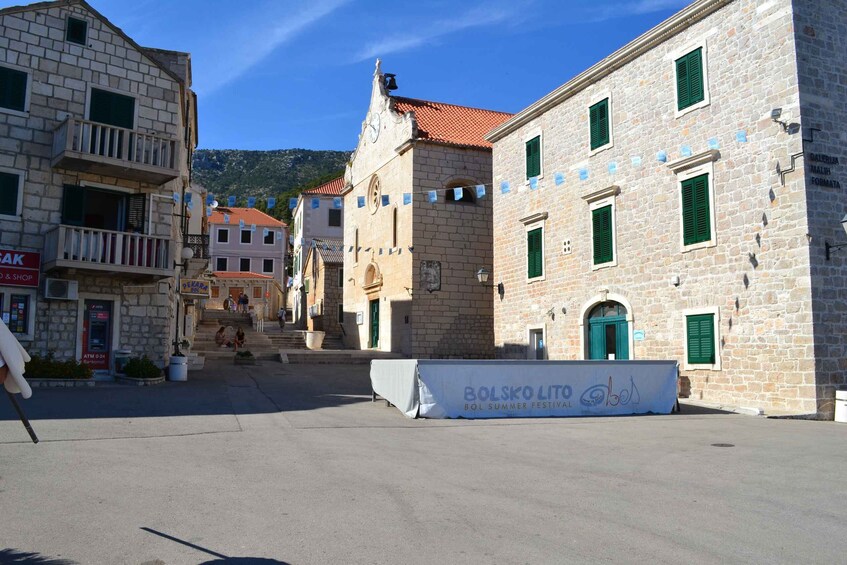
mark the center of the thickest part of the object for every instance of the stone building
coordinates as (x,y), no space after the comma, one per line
(677,201)
(323,279)
(247,249)
(413,245)
(96,136)
(317,216)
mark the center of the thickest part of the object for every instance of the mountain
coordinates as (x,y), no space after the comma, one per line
(233,172)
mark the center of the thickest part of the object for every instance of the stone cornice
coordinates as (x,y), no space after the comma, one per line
(632,50)
(694,160)
(612,190)
(531,219)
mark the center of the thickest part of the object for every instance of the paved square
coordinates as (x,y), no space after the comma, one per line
(294,464)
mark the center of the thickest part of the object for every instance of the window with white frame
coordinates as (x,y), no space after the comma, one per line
(223,235)
(221,264)
(702,339)
(691,78)
(11,193)
(695,187)
(601,204)
(534,228)
(267,265)
(270,237)
(244,264)
(246,236)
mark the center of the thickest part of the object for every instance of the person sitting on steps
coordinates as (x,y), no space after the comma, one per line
(221,339)
(240,338)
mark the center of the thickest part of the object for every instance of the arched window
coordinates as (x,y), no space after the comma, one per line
(356,248)
(468,192)
(394,228)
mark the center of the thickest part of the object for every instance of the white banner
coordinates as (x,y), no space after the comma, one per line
(397,382)
(511,389)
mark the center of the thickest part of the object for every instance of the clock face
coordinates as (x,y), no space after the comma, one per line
(373,127)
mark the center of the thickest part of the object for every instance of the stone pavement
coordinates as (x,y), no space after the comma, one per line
(294,464)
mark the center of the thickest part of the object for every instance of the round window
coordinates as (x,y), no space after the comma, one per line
(374,195)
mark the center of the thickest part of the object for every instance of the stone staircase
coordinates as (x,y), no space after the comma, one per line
(204,344)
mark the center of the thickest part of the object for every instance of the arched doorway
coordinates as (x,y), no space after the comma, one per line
(608,331)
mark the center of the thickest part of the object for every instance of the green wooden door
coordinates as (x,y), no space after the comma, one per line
(374,340)
(608,336)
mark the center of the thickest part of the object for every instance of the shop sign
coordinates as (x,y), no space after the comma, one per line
(19,268)
(194,287)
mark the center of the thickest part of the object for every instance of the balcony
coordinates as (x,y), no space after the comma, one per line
(199,244)
(112,252)
(91,147)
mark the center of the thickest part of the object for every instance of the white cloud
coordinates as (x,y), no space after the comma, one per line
(478,17)
(252,38)
(635,8)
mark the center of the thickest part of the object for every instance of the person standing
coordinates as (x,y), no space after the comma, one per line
(281,317)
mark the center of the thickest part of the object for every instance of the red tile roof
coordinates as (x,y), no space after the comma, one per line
(238,275)
(447,123)
(332,188)
(249,215)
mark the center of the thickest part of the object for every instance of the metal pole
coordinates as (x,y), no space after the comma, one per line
(23,418)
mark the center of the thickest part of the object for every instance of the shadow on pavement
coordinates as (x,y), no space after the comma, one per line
(10,556)
(221,558)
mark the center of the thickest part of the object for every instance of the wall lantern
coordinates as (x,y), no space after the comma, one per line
(828,246)
(482,276)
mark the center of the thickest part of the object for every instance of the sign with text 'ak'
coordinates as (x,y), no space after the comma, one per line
(19,268)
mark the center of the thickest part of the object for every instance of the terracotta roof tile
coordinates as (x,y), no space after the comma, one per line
(249,215)
(334,252)
(332,188)
(239,275)
(447,123)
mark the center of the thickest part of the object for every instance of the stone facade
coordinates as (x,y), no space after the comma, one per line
(446,316)
(60,76)
(324,273)
(781,331)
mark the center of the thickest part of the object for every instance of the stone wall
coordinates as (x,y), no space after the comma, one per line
(822,70)
(754,275)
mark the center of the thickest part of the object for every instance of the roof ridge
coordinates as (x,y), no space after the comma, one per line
(406,98)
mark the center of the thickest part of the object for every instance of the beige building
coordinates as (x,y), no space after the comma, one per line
(410,263)
(323,280)
(678,200)
(96,135)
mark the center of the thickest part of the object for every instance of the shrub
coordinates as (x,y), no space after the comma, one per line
(48,368)
(244,354)
(142,368)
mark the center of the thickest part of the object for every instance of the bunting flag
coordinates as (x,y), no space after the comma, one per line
(360,201)
(292,203)
(367,249)
(350,250)
(226,218)
(613,167)
(432,196)
(279,235)
(290,283)
(271,202)
(411,248)
(252,227)
(533,183)
(559,179)
(685,151)
(189,205)
(316,203)
(386,200)
(380,250)
(741,136)
(291,239)
(662,157)
(504,187)
(407,198)
(480,191)
(241,224)
(635,160)
(187,197)
(176,197)
(337,203)
(231,201)
(458,193)
(209,199)
(251,201)
(714,144)
(208,211)
(583,174)
(265,232)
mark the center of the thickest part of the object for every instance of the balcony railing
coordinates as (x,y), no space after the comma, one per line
(71,247)
(87,146)
(199,244)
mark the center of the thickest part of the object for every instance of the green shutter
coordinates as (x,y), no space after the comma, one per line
(112,109)
(73,205)
(696,217)
(533,157)
(599,119)
(534,254)
(700,332)
(602,231)
(9,194)
(13,89)
(689,79)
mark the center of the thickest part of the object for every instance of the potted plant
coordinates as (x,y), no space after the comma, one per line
(178,368)
(54,372)
(244,357)
(314,339)
(143,370)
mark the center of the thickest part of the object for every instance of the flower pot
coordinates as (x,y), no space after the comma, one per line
(178,369)
(314,339)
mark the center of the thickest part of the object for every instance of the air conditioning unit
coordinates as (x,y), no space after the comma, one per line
(60,289)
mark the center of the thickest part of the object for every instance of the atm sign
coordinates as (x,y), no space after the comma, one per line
(19,268)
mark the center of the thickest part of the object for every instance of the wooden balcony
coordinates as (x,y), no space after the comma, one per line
(81,145)
(116,253)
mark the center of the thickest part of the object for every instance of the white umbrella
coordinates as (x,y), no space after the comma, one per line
(14,357)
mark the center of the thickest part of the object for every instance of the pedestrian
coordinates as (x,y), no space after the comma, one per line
(240,338)
(281,317)
(227,302)
(221,339)
(246,304)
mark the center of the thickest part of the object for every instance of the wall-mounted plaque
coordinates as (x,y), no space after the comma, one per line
(431,275)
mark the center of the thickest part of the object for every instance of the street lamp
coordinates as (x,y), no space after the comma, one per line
(482,276)
(186,255)
(828,246)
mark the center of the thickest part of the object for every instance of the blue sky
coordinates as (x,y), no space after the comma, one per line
(276,74)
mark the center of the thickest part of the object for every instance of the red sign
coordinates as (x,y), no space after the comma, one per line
(19,268)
